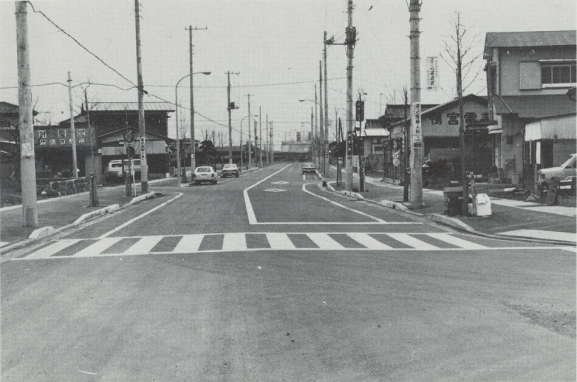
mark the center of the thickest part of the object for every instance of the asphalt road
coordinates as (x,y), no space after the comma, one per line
(270,277)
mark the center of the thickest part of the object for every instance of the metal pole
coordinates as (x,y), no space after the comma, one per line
(316,136)
(271,143)
(192,137)
(312,135)
(72,131)
(178,170)
(416,159)
(26,120)
(267,142)
(322,116)
(249,138)
(141,123)
(326,143)
(260,134)
(351,37)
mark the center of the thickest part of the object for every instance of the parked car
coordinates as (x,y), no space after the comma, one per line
(114,168)
(230,170)
(309,167)
(547,176)
(204,174)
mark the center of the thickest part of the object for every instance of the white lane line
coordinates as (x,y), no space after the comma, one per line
(368,241)
(234,242)
(138,217)
(405,238)
(51,249)
(279,241)
(324,241)
(98,247)
(247,203)
(540,234)
(143,245)
(340,205)
(448,238)
(189,244)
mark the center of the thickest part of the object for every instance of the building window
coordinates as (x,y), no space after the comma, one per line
(558,74)
(42,141)
(62,141)
(81,133)
(42,134)
(61,133)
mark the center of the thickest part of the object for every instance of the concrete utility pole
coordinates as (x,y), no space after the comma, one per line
(312,134)
(326,143)
(267,143)
(192,138)
(271,144)
(141,124)
(25,120)
(259,134)
(229,108)
(72,131)
(416,159)
(351,37)
(322,125)
(249,154)
(316,135)
(255,141)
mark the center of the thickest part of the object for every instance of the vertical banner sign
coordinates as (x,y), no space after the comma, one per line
(432,73)
(142,151)
(416,124)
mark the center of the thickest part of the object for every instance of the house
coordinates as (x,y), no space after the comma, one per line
(529,77)
(113,133)
(441,137)
(374,138)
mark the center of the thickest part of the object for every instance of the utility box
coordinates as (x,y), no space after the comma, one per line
(482,205)
(453,200)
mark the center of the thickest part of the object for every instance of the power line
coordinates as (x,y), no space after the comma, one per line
(82,46)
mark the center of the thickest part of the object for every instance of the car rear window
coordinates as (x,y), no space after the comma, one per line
(229,167)
(204,169)
(114,164)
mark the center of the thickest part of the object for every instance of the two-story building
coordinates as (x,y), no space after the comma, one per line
(528,78)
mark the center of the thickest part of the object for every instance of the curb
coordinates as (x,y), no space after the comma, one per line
(140,198)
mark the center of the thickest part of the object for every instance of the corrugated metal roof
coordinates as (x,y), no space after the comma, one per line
(376,133)
(521,39)
(8,108)
(130,106)
(534,106)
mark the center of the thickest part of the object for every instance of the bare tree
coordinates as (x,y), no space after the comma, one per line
(461,56)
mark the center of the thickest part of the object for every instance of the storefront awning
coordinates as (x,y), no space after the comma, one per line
(496,131)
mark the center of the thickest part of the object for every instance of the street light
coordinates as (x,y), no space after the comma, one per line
(252,115)
(177,132)
(323,138)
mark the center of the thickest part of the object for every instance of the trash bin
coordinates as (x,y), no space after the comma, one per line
(453,200)
(483,205)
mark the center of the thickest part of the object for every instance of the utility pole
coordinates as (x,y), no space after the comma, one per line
(316,137)
(93,195)
(260,134)
(322,124)
(26,120)
(192,138)
(312,134)
(406,149)
(229,108)
(351,37)
(416,159)
(255,141)
(141,124)
(267,143)
(72,131)
(271,144)
(249,138)
(326,143)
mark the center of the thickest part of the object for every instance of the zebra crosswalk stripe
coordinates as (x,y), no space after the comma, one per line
(232,242)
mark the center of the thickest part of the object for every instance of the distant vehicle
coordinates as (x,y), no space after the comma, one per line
(309,167)
(114,168)
(547,176)
(230,170)
(204,174)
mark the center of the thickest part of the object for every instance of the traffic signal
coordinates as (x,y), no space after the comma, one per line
(360,111)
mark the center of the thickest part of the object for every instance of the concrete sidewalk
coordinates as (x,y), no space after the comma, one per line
(509,218)
(56,214)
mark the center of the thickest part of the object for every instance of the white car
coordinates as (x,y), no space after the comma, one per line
(204,174)
(547,176)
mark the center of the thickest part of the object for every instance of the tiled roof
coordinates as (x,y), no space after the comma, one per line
(8,108)
(533,107)
(521,39)
(136,133)
(130,106)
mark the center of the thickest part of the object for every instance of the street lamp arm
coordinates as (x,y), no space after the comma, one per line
(188,75)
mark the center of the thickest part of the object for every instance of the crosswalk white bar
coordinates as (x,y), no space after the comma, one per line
(324,241)
(234,242)
(407,239)
(279,241)
(189,244)
(52,249)
(143,245)
(368,241)
(448,238)
(98,247)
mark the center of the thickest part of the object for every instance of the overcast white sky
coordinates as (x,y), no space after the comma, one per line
(275,45)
